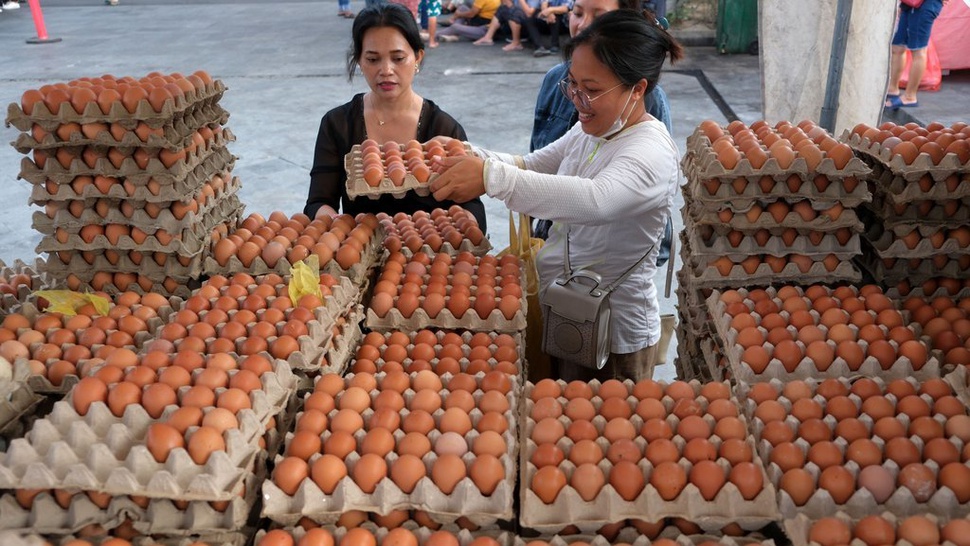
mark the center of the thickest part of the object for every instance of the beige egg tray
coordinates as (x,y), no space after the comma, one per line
(15,538)
(176,107)
(464,537)
(446,248)
(633,537)
(17,400)
(959,379)
(888,243)
(797,528)
(883,208)
(848,219)
(139,218)
(705,251)
(710,277)
(148,266)
(169,191)
(727,196)
(465,500)
(160,517)
(917,292)
(177,133)
(569,508)
(358,187)
(39,279)
(902,269)
(923,164)
(336,351)
(465,349)
(906,190)
(129,169)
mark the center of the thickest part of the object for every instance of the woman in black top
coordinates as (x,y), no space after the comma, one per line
(388,49)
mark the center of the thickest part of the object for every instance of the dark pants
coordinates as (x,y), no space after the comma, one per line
(534,26)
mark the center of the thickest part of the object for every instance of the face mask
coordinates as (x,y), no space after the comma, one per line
(620,122)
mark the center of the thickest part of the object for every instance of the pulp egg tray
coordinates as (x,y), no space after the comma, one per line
(569,508)
(710,277)
(806,369)
(690,367)
(799,527)
(336,352)
(889,243)
(358,272)
(632,536)
(211,93)
(188,241)
(134,187)
(714,193)
(39,280)
(172,135)
(923,164)
(148,516)
(924,188)
(16,400)
(128,168)
(139,218)
(891,270)
(175,266)
(464,537)
(428,244)
(705,164)
(885,208)
(739,221)
(12,538)
(463,362)
(464,500)
(180,287)
(959,379)
(894,293)
(357,186)
(704,250)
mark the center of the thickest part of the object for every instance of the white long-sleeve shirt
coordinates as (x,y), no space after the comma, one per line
(614,196)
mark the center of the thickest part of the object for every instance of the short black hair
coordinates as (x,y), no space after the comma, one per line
(384,14)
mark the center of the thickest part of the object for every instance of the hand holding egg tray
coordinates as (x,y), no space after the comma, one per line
(758,362)
(884,528)
(374,170)
(642,490)
(897,148)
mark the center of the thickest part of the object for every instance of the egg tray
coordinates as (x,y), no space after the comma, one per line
(466,245)
(870,367)
(140,218)
(726,196)
(608,506)
(917,292)
(705,251)
(465,348)
(903,270)
(959,379)
(701,163)
(188,241)
(159,517)
(39,280)
(183,288)
(923,164)
(883,209)
(173,108)
(848,219)
(905,190)
(129,169)
(798,528)
(12,538)
(357,186)
(334,353)
(169,190)
(633,537)
(890,245)
(463,536)
(16,401)
(465,500)
(124,264)
(845,271)
(176,133)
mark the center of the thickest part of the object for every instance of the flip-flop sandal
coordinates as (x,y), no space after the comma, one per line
(511,48)
(908,104)
(483,43)
(894,102)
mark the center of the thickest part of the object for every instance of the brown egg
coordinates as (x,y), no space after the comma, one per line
(369,470)
(919,530)
(799,484)
(830,531)
(708,477)
(668,478)
(548,481)
(748,478)
(161,439)
(919,479)
(203,442)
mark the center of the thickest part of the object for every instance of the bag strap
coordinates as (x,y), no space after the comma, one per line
(623,277)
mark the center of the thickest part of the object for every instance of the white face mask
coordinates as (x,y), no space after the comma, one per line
(620,121)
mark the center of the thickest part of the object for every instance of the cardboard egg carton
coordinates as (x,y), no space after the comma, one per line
(463,536)
(16,538)
(889,244)
(806,369)
(174,265)
(923,164)
(339,350)
(129,169)
(717,246)
(569,508)
(465,500)
(847,219)
(909,189)
(140,218)
(959,379)
(183,286)
(170,189)
(465,349)
(631,536)
(175,107)
(357,186)
(799,527)
(892,270)
(16,400)
(39,280)
(710,277)
(390,227)
(883,208)
(701,163)
(157,516)
(893,293)
(724,194)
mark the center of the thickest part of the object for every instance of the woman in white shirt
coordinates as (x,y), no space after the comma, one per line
(596,182)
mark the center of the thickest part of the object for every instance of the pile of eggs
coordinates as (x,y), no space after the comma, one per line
(395,161)
(399,536)
(442,352)
(57,346)
(876,530)
(840,438)
(693,439)
(947,323)
(11,284)
(367,429)
(344,239)
(441,226)
(460,284)
(105,92)
(117,542)
(778,330)
(943,285)
(909,141)
(784,143)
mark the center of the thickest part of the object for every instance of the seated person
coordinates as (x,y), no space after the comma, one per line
(550,17)
(507,12)
(470,21)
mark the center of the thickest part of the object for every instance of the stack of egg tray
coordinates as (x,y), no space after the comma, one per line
(918,225)
(134,178)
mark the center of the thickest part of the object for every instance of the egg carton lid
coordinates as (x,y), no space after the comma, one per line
(923,164)
(465,537)
(799,527)
(357,186)
(129,169)
(174,107)
(170,191)
(704,250)
(847,219)
(176,133)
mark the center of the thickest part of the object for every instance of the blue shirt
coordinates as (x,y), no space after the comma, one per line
(555,114)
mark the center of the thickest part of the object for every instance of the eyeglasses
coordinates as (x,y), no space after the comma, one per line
(571,90)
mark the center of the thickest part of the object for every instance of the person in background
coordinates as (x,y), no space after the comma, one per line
(507,11)
(609,182)
(912,33)
(433,8)
(387,48)
(550,16)
(343,9)
(527,9)
(470,21)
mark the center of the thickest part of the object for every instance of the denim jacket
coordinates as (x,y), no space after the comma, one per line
(555,114)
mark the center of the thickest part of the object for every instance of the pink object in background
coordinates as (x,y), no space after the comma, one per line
(951,33)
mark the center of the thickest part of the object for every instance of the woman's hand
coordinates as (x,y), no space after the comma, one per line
(460,179)
(326,210)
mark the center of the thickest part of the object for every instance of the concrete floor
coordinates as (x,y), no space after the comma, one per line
(284,65)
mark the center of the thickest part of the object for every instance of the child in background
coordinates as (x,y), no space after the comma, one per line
(434,10)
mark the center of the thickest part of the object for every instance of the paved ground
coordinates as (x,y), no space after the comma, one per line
(284,65)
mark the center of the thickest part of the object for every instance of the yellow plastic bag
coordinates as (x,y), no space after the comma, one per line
(305,279)
(67,302)
(526,247)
